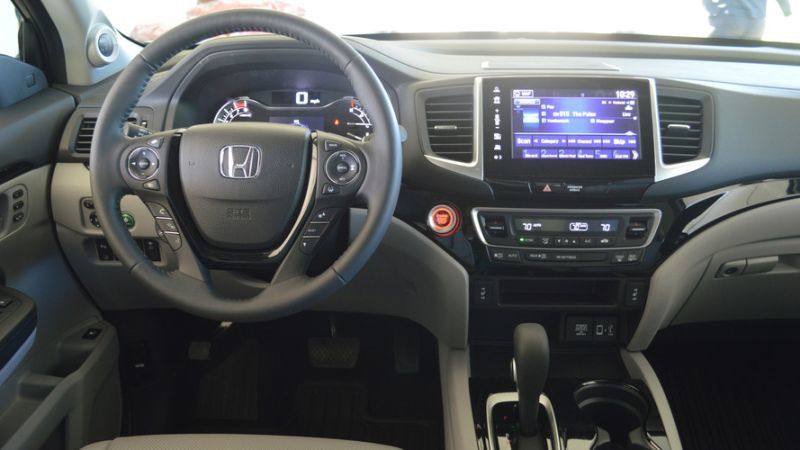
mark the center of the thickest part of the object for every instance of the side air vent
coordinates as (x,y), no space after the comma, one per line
(681,121)
(450,127)
(83,142)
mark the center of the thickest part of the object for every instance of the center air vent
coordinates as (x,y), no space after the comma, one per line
(681,121)
(83,142)
(450,127)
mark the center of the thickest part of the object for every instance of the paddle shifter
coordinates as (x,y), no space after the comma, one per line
(529,367)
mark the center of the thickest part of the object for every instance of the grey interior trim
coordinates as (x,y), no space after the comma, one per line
(231,442)
(640,369)
(409,276)
(674,282)
(75,21)
(510,397)
(459,429)
(16,360)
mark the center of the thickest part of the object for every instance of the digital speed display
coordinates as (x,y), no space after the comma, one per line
(524,225)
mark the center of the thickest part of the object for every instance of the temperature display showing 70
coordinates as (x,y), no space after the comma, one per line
(525,225)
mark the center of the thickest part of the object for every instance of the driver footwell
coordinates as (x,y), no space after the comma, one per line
(359,377)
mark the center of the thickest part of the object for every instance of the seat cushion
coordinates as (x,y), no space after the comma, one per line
(230,442)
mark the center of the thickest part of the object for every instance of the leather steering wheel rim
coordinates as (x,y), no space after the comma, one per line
(190,294)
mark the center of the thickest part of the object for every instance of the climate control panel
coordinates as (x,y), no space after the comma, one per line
(560,236)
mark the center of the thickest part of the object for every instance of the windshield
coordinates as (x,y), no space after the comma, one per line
(767,20)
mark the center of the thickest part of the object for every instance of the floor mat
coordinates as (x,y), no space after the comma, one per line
(339,410)
(732,394)
(261,380)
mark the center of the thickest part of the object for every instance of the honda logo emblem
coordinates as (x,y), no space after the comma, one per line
(240,162)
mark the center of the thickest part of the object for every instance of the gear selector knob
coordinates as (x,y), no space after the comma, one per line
(530,366)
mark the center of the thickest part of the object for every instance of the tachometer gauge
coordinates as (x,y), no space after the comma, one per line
(352,121)
(235,110)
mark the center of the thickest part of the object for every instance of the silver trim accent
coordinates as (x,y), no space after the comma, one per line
(307,201)
(554,443)
(333,179)
(667,171)
(128,165)
(474,168)
(445,127)
(639,368)
(595,212)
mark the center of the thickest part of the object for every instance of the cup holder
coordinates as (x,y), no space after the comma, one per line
(619,411)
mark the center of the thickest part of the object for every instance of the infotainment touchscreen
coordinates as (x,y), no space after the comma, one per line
(569,128)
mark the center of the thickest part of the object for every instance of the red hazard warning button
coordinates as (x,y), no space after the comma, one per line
(443,220)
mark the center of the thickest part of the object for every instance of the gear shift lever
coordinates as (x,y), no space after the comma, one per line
(529,367)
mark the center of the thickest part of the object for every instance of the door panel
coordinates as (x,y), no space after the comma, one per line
(61,387)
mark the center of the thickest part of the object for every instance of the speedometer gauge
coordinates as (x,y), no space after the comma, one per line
(344,116)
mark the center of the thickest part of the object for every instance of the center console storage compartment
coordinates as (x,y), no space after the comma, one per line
(557,292)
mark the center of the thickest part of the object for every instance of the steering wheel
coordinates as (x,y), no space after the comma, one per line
(244,193)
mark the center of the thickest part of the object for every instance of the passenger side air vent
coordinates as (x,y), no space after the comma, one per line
(450,127)
(83,142)
(681,121)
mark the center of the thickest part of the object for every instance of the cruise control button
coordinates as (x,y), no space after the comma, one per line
(167,225)
(158,211)
(173,240)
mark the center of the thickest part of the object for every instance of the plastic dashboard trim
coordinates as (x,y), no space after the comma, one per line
(657,214)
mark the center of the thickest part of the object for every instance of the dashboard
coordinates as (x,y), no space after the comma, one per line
(560,183)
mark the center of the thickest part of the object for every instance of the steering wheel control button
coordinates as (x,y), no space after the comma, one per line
(94,220)
(158,211)
(173,239)
(152,185)
(332,146)
(128,219)
(443,220)
(342,167)
(308,244)
(315,229)
(142,163)
(167,225)
(330,189)
(155,142)
(326,215)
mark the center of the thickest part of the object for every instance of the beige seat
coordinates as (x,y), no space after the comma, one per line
(230,442)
